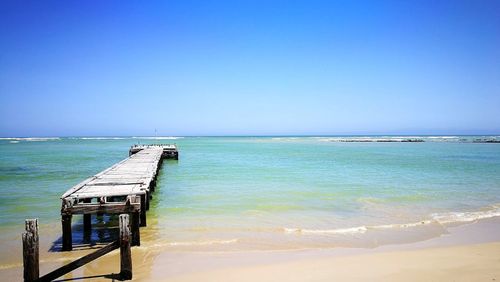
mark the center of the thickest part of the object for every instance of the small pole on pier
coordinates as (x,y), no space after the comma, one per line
(67,237)
(125,253)
(31,250)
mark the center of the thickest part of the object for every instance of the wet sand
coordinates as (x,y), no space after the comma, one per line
(469,253)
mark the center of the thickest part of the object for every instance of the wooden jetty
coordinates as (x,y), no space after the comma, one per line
(124,188)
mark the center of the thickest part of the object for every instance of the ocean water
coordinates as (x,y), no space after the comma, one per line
(265,193)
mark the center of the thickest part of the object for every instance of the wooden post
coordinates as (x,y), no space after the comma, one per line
(31,250)
(67,237)
(87,219)
(136,235)
(87,224)
(143,210)
(125,254)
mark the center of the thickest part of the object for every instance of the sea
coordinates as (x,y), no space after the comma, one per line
(262,193)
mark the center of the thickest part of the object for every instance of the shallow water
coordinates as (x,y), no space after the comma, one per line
(260,193)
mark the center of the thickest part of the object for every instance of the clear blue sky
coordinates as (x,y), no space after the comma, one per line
(104,68)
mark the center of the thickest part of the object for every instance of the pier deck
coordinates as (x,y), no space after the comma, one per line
(125,187)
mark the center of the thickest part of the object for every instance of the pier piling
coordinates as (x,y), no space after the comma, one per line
(31,250)
(67,237)
(125,254)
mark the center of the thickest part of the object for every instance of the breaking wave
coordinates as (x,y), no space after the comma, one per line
(32,139)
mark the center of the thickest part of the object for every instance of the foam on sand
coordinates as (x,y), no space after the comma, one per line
(437,218)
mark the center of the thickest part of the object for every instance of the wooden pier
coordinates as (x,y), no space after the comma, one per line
(124,188)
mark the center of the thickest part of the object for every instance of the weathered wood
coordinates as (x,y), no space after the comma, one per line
(133,177)
(31,250)
(143,210)
(107,208)
(136,235)
(67,237)
(127,177)
(31,225)
(79,262)
(125,254)
(82,184)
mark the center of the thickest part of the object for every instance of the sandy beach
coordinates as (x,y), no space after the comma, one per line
(460,263)
(257,141)
(468,253)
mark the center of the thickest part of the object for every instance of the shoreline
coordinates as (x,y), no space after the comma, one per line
(481,238)
(455,263)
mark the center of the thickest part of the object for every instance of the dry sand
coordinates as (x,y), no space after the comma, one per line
(461,263)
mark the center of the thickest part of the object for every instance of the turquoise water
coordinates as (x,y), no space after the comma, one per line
(233,193)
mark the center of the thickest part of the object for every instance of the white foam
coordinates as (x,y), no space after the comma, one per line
(33,139)
(356,230)
(402,225)
(453,217)
(101,138)
(352,230)
(441,218)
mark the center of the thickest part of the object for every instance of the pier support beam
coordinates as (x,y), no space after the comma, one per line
(143,209)
(87,224)
(67,237)
(134,226)
(125,253)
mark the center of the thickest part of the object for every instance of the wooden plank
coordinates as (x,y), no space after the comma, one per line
(81,184)
(110,208)
(142,163)
(79,262)
(111,193)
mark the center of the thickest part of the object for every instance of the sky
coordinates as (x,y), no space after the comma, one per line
(128,68)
